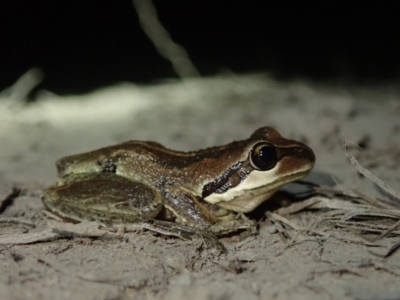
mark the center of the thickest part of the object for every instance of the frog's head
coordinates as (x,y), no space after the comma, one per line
(265,162)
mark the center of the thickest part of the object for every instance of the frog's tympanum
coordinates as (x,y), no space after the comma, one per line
(176,193)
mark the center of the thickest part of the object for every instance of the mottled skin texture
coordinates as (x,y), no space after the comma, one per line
(143,182)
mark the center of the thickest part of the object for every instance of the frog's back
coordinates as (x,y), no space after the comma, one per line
(136,156)
(94,161)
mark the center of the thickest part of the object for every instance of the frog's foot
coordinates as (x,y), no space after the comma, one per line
(229,226)
(241,216)
(181,231)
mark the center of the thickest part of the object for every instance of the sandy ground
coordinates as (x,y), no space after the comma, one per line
(38,262)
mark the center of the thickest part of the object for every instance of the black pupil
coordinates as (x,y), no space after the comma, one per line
(267,154)
(264,157)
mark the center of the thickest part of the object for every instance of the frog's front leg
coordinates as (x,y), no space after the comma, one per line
(187,208)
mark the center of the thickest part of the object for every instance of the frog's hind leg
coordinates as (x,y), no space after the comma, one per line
(111,199)
(103,197)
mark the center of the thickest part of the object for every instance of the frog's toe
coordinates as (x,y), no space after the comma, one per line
(215,243)
(212,240)
(184,236)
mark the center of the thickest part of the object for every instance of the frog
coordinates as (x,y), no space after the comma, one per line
(206,192)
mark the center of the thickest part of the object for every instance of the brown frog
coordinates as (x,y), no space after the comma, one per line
(177,193)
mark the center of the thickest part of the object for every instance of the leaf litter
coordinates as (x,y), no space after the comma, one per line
(347,209)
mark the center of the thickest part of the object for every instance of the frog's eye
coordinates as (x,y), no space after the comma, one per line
(263,157)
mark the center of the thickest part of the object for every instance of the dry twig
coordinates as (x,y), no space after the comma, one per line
(368,174)
(352,210)
(162,40)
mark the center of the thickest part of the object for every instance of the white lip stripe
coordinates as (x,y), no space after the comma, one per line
(255,180)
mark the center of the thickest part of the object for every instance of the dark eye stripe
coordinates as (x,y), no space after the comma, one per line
(214,185)
(231,178)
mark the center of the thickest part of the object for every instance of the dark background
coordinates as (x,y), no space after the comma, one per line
(83,44)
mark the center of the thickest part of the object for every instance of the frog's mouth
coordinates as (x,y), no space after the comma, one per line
(251,199)
(257,188)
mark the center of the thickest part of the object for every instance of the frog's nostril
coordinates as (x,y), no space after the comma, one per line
(304,153)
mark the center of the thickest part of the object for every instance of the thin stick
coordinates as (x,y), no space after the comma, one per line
(282,219)
(368,174)
(28,238)
(392,250)
(23,86)
(162,40)
(386,233)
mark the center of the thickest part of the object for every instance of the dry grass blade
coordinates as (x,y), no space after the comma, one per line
(389,231)
(368,174)
(281,219)
(392,250)
(366,199)
(28,238)
(16,221)
(349,209)
(368,227)
(375,213)
(320,202)
(90,229)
